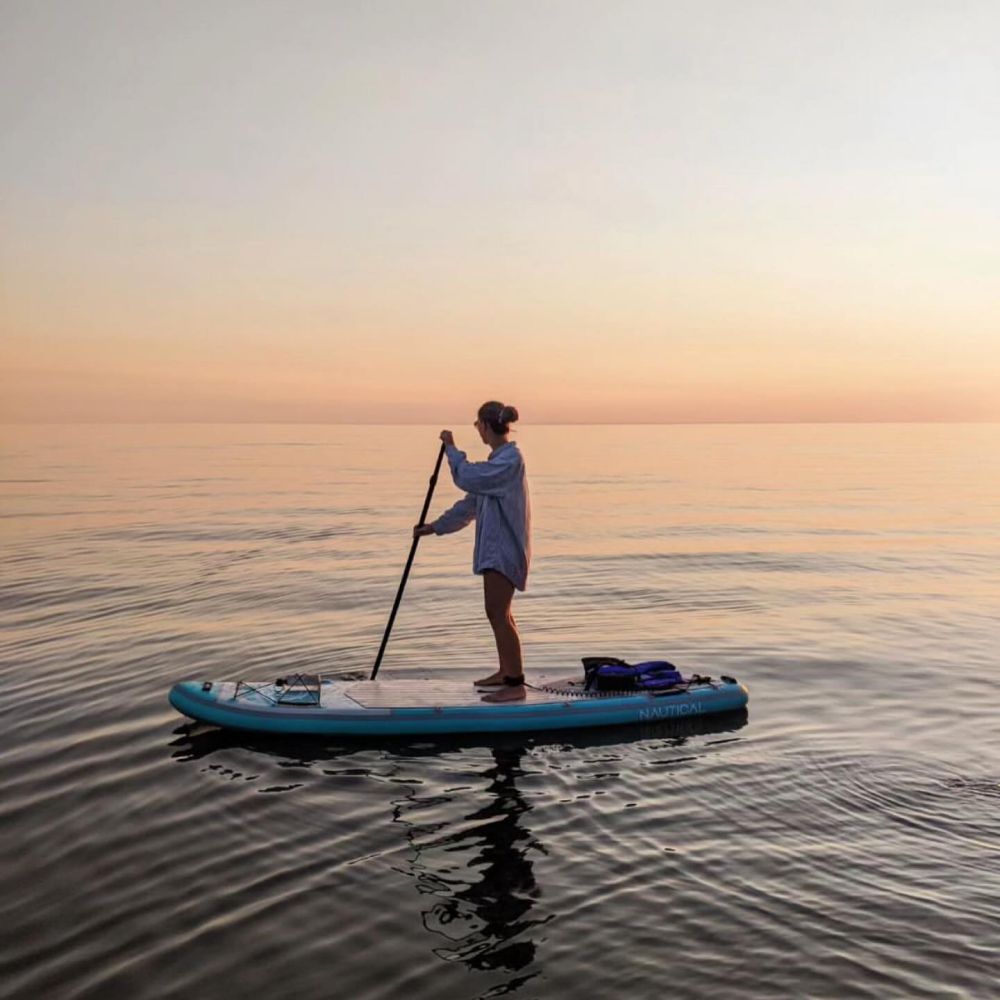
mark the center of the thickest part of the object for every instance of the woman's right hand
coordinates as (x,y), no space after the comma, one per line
(422,529)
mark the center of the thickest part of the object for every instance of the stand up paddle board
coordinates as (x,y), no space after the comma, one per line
(310,703)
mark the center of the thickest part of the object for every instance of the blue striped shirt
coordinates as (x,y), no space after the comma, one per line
(496,497)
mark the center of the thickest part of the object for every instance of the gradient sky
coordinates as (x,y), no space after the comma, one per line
(614,211)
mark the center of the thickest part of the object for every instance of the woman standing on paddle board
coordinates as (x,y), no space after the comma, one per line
(496,497)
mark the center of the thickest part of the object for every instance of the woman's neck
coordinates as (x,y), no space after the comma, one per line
(496,441)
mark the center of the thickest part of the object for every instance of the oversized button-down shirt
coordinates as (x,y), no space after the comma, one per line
(496,497)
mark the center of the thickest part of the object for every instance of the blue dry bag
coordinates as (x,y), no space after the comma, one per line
(608,673)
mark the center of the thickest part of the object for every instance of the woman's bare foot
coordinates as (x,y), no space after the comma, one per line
(506,693)
(494,680)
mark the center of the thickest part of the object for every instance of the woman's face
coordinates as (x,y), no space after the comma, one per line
(480,426)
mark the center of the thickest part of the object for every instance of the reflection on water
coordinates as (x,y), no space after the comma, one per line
(467,838)
(479,873)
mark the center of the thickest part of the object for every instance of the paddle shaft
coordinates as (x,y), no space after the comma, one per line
(409,563)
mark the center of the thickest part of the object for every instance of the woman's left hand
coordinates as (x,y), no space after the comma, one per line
(447,437)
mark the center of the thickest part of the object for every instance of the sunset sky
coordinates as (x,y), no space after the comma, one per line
(719,210)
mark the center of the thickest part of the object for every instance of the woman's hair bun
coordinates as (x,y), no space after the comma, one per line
(497,415)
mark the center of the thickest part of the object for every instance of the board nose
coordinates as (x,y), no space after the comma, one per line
(182,693)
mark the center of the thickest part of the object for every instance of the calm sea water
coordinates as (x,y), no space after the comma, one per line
(842,839)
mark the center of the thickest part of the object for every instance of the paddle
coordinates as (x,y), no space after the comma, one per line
(409,562)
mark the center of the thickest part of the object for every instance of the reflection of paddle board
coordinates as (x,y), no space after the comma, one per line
(313,704)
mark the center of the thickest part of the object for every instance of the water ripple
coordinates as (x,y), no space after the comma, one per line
(838,840)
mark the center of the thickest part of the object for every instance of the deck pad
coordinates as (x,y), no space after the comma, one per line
(431,694)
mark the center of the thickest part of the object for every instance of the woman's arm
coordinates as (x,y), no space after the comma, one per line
(493,478)
(455,517)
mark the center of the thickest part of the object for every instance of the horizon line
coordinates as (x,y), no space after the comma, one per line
(540,423)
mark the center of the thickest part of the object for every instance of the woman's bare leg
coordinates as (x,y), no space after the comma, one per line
(498,593)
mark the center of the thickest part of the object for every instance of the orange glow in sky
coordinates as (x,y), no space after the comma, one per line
(600,212)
